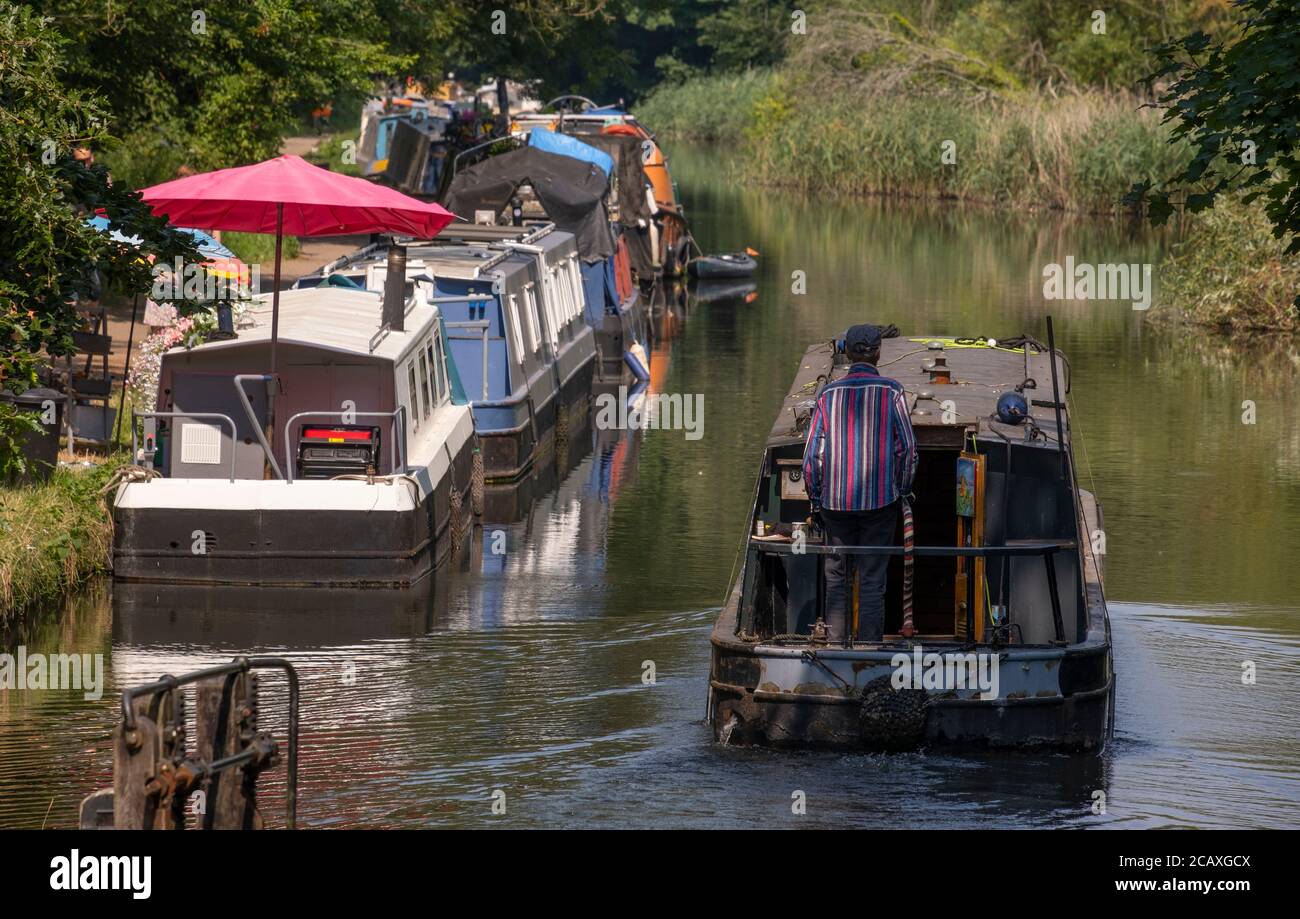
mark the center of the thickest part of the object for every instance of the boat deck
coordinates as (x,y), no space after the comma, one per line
(980,375)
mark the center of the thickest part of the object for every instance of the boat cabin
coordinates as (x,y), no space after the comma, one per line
(963,497)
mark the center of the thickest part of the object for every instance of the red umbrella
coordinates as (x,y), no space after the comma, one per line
(290,195)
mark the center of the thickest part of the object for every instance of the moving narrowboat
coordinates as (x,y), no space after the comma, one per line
(1000,588)
(517,328)
(365,475)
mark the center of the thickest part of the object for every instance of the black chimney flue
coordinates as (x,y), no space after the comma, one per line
(395,289)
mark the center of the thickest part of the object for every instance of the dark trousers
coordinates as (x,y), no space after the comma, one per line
(858,528)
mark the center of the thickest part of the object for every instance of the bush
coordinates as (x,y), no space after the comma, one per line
(706,108)
(1229,272)
(1078,153)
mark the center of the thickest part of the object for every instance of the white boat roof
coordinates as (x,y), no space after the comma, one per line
(334,318)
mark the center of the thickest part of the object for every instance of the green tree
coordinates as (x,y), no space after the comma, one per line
(225,81)
(746,33)
(1237,101)
(47,249)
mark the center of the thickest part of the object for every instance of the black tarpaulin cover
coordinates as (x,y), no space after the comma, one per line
(633,209)
(571,191)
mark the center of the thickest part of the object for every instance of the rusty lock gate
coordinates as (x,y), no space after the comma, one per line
(155,774)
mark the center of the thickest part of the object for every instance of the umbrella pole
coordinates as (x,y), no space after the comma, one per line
(275,290)
(273,384)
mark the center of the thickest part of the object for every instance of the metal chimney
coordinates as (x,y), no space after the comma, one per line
(394,315)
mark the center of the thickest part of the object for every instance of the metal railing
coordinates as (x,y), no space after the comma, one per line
(1046,548)
(397,427)
(239,379)
(191,415)
(479,148)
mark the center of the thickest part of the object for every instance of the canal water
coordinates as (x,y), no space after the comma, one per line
(562,668)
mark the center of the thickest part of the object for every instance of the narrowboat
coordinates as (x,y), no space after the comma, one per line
(517,328)
(667,230)
(996,630)
(361,472)
(532,185)
(402,140)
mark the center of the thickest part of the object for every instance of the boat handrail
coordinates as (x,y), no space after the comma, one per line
(239,379)
(483,326)
(193,415)
(1045,548)
(397,449)
(484,267)
(455,161)
(344,260)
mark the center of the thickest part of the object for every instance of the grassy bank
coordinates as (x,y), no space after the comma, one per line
(707,108)
(53,536)
(1080,152)
(259,248)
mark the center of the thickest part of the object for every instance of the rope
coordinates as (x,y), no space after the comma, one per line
(477,482)
(895,360)
(128,474)
(909,542)
(457,530)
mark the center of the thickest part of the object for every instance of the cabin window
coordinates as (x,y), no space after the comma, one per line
(516,333)
(410,396)
(564,303)
(434,350)
(569,290)
(575,278)
(534,318)
(426,391)
(552,308)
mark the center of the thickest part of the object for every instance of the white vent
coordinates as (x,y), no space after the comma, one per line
(201,444)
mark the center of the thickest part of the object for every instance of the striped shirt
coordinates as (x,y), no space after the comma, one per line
(861,452)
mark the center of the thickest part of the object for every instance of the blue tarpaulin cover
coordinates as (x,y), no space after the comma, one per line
(565,145)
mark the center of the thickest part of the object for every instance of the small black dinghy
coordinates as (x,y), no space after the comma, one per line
(731,265)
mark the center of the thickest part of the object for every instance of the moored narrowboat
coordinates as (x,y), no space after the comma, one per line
(361,472)
(996,630)
(532,185)
(665,227)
